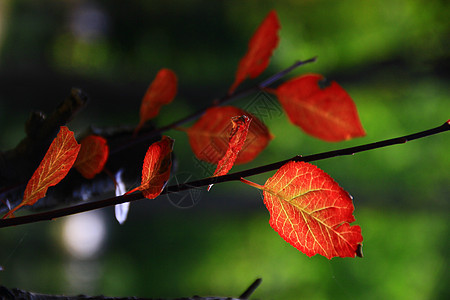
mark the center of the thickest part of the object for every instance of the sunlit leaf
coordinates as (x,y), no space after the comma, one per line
(328,113)
(55,165)
(209,136)
(92,156)
(160,92)
(260,49)
(238,136)
(156,168)
(311,211)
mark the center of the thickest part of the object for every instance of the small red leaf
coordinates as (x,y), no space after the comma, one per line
(311,211)
(260,49)
(210,134)
(160,92)
(53,168)
(92,157)
(327,113)
(156,168)
(238,136)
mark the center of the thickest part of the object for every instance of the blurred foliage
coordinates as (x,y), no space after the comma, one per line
(391,56)
(172,254)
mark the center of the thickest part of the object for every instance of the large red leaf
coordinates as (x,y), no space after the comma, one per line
(260,49)
(327,113)
(92,157)
(238,136)
(160,92)
(210,134)
(311,211)
(156,168)
(53,168)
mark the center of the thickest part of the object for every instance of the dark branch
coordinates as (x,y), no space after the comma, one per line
(7,294)
(17,165)
(53,214)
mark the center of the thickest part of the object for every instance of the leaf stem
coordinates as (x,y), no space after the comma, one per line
(53,214)
(251,183)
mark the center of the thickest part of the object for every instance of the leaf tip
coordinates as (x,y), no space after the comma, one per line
(359,252)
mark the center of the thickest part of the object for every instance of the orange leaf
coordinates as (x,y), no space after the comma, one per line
(53,168)
(311,211)
(156,168)
(210,134)
(260,49)
(238,136)
(326,113)
(161,91)
(92,157)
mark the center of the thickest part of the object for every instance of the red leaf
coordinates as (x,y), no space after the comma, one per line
(238,136)
(210,134)
(161,91)
(92,157)
(260,49)
(156,168)
(53,168)
(326,113)
(311,211)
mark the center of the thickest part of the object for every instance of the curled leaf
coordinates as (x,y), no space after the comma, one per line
(92,156)
(160,92)
(311,211)
(53,168)
(238,136)
(328,113)
(156,168)
(260,49)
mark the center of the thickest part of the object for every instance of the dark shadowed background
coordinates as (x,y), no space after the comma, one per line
(391,56)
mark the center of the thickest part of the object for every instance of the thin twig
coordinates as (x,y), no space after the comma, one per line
(53,214)
(249,291)
(222,101)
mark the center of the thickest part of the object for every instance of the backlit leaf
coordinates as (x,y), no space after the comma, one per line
(160,92)
(328,113)
(53,168)
(311,211)
(156,168)
(209,136)
(260,49)
(238,136)
(92,156)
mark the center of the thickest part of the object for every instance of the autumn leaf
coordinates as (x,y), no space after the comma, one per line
(209,136)
(92,156)
(311,211)
(53,168)
(156,168)
(238,136)
(327,113)
(160,92)
(260,49)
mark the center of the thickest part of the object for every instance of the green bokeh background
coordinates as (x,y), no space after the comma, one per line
(391,56)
